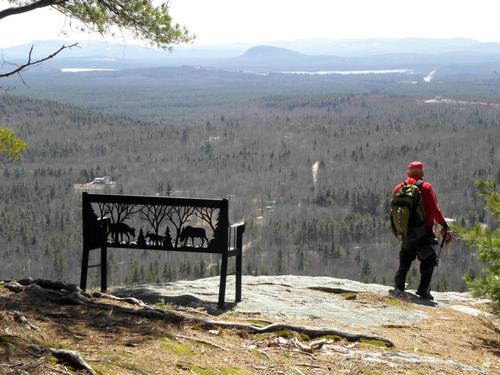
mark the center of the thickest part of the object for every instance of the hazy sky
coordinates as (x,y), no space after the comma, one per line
(256,21)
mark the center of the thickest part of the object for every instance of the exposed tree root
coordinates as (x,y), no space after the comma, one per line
(309,348)
(14,286)
(63,293)
(130,300)
(309,331)
(68,357)
(72,358)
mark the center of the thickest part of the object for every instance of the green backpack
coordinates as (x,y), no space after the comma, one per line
(407,212)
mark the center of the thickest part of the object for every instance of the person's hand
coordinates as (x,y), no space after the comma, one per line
(448,238)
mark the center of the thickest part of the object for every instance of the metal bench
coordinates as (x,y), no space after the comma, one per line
(162,224)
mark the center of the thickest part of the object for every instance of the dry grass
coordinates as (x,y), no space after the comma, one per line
(114,343)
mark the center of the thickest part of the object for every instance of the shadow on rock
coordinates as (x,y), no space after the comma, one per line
(152,297)
(412,298)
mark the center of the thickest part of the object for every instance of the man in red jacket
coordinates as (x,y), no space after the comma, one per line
(421,248)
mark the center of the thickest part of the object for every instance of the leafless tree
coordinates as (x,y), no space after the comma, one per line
(155,215)
(207,215)
(178,216)
(118,212)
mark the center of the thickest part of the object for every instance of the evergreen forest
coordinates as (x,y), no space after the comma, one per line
(310,169)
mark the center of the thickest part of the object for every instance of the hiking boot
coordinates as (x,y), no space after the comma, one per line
(426,295)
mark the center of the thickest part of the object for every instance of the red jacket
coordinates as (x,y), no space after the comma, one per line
(432,210)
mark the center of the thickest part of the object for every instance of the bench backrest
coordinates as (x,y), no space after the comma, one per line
(155,223)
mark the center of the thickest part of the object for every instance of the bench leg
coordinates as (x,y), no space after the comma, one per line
(85,267)
(239,257)
(104,269)
(223,277)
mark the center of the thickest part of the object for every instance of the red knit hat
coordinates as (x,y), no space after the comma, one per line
(416,168)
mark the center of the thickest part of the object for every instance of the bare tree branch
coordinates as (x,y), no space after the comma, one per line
(206,214)
(104,209)
(142,17)
(123,211)
(31,62)
(155,215)
(29,7)
(182,215)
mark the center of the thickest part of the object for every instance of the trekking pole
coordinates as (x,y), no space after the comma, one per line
(441,247)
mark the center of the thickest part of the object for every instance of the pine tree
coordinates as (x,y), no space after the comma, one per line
(167,273)
(167,241)
(301,262)
(486,240)
(135,273)
(365,270)
(141,241)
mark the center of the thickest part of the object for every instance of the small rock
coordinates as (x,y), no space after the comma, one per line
(282,341)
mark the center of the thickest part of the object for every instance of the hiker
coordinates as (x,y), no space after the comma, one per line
(420,242)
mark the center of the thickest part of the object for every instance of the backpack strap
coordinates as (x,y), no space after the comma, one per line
(419,183)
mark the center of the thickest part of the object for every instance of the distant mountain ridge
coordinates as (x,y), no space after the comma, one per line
(336,47)
(277,58)
(281,55)
(270,51)
(382,46)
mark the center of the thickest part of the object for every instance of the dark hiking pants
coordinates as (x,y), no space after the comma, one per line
(410,250)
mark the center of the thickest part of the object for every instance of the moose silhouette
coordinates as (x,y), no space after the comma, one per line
(119,229)
(193,232)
